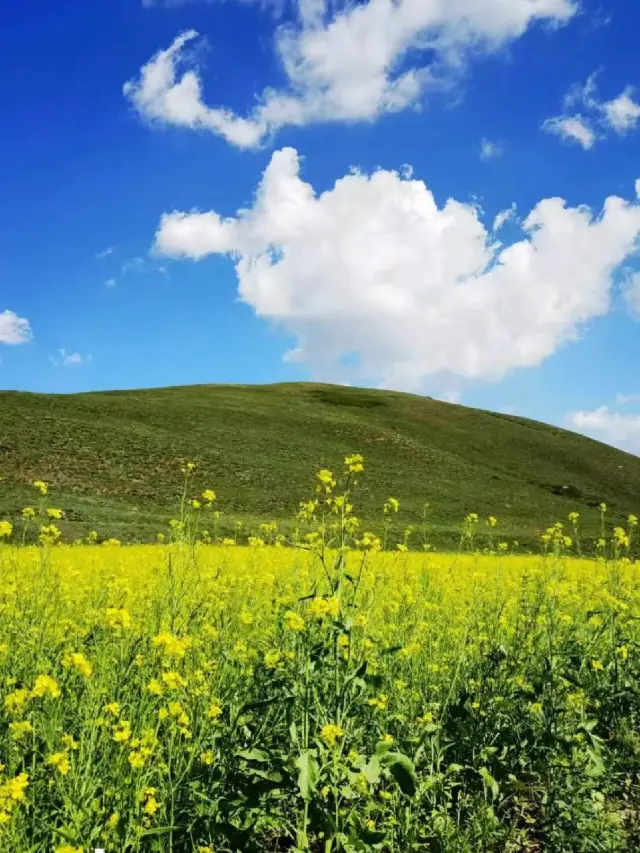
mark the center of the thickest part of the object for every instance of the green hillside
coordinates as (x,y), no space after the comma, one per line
(113,459)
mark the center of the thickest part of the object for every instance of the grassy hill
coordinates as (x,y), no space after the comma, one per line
(113,459)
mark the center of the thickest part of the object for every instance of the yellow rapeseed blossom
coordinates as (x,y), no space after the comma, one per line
(44,685)
(331,734)
(6,529)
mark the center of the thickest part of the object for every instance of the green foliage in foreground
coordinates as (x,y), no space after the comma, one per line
(111,458)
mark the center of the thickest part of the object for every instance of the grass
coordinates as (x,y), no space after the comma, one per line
(113,458)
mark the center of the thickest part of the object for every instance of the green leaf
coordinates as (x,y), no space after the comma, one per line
(490,782)
(253,755)
(371,770)
(159,830)
(308,774)
(402,769)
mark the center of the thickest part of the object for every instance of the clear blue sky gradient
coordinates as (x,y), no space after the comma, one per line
(80,172)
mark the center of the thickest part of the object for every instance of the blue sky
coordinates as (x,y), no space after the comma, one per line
(133,134)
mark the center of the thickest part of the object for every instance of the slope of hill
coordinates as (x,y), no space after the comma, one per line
(113,459)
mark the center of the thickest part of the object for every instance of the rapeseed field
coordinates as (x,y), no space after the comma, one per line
(337,691)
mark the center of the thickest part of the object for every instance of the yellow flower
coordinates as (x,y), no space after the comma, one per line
(354,463)
(195,503)
(113,708)
(214,712)
(67,848)
(55,513)
(20,729)
(44,685)
(15,701)
(14,789)
(272,658)
(155,687)
(597,665)
(122,731)
(292,621)
(28,512)
(77,661)
(69,742)
(173,680)
(41,487)
(207,758)
(60,761)
(6,529)
(331,734)
(171,645)
(118,617)
(151,806)
(209,496)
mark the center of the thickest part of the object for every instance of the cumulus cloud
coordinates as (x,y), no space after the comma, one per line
(68,359)
(376,281)
(410,46)
(14,329)
(621,115)
(605,424)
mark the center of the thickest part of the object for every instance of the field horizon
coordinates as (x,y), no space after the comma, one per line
(113,458)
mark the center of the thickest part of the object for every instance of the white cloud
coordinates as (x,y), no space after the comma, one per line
(627,399)
(69,359)
(374,270)
(632,294)
(105,253)
(411,45)
(571,129)
(14,329)
(505,216)
(137,264)
(622,114)
(110,282)
(605,424)
(489,150)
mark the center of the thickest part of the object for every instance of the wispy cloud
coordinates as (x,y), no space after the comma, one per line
(605,424)
(104,253)
(489,150)
(69,359)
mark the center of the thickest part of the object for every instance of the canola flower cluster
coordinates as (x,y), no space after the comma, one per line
(327,694)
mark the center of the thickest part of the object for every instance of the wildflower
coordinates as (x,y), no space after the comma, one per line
(272,658)
(60,761)
(155,687)
(28,512)
(326,481)
(44,685)
(14,702)
(209,496)
(113,708)
(426,719)
(214,712)
(293,621)
(622,652)
(118,617)
(597,665)
(391,505)
(331,733)
(603,508)
(20,730)
(69,742)
(574,517)
(195,504)
(77,661)
(354,463)
(207,758)
(55,513)
(67,848)
(492,521)
(632,521)
(171,645)
(14,789)
(189,468)
(173,680)
(6,529)
(378,703)
(41,487)
(122,731)
(151,806)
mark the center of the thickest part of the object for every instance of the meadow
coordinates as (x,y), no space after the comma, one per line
(335,691)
